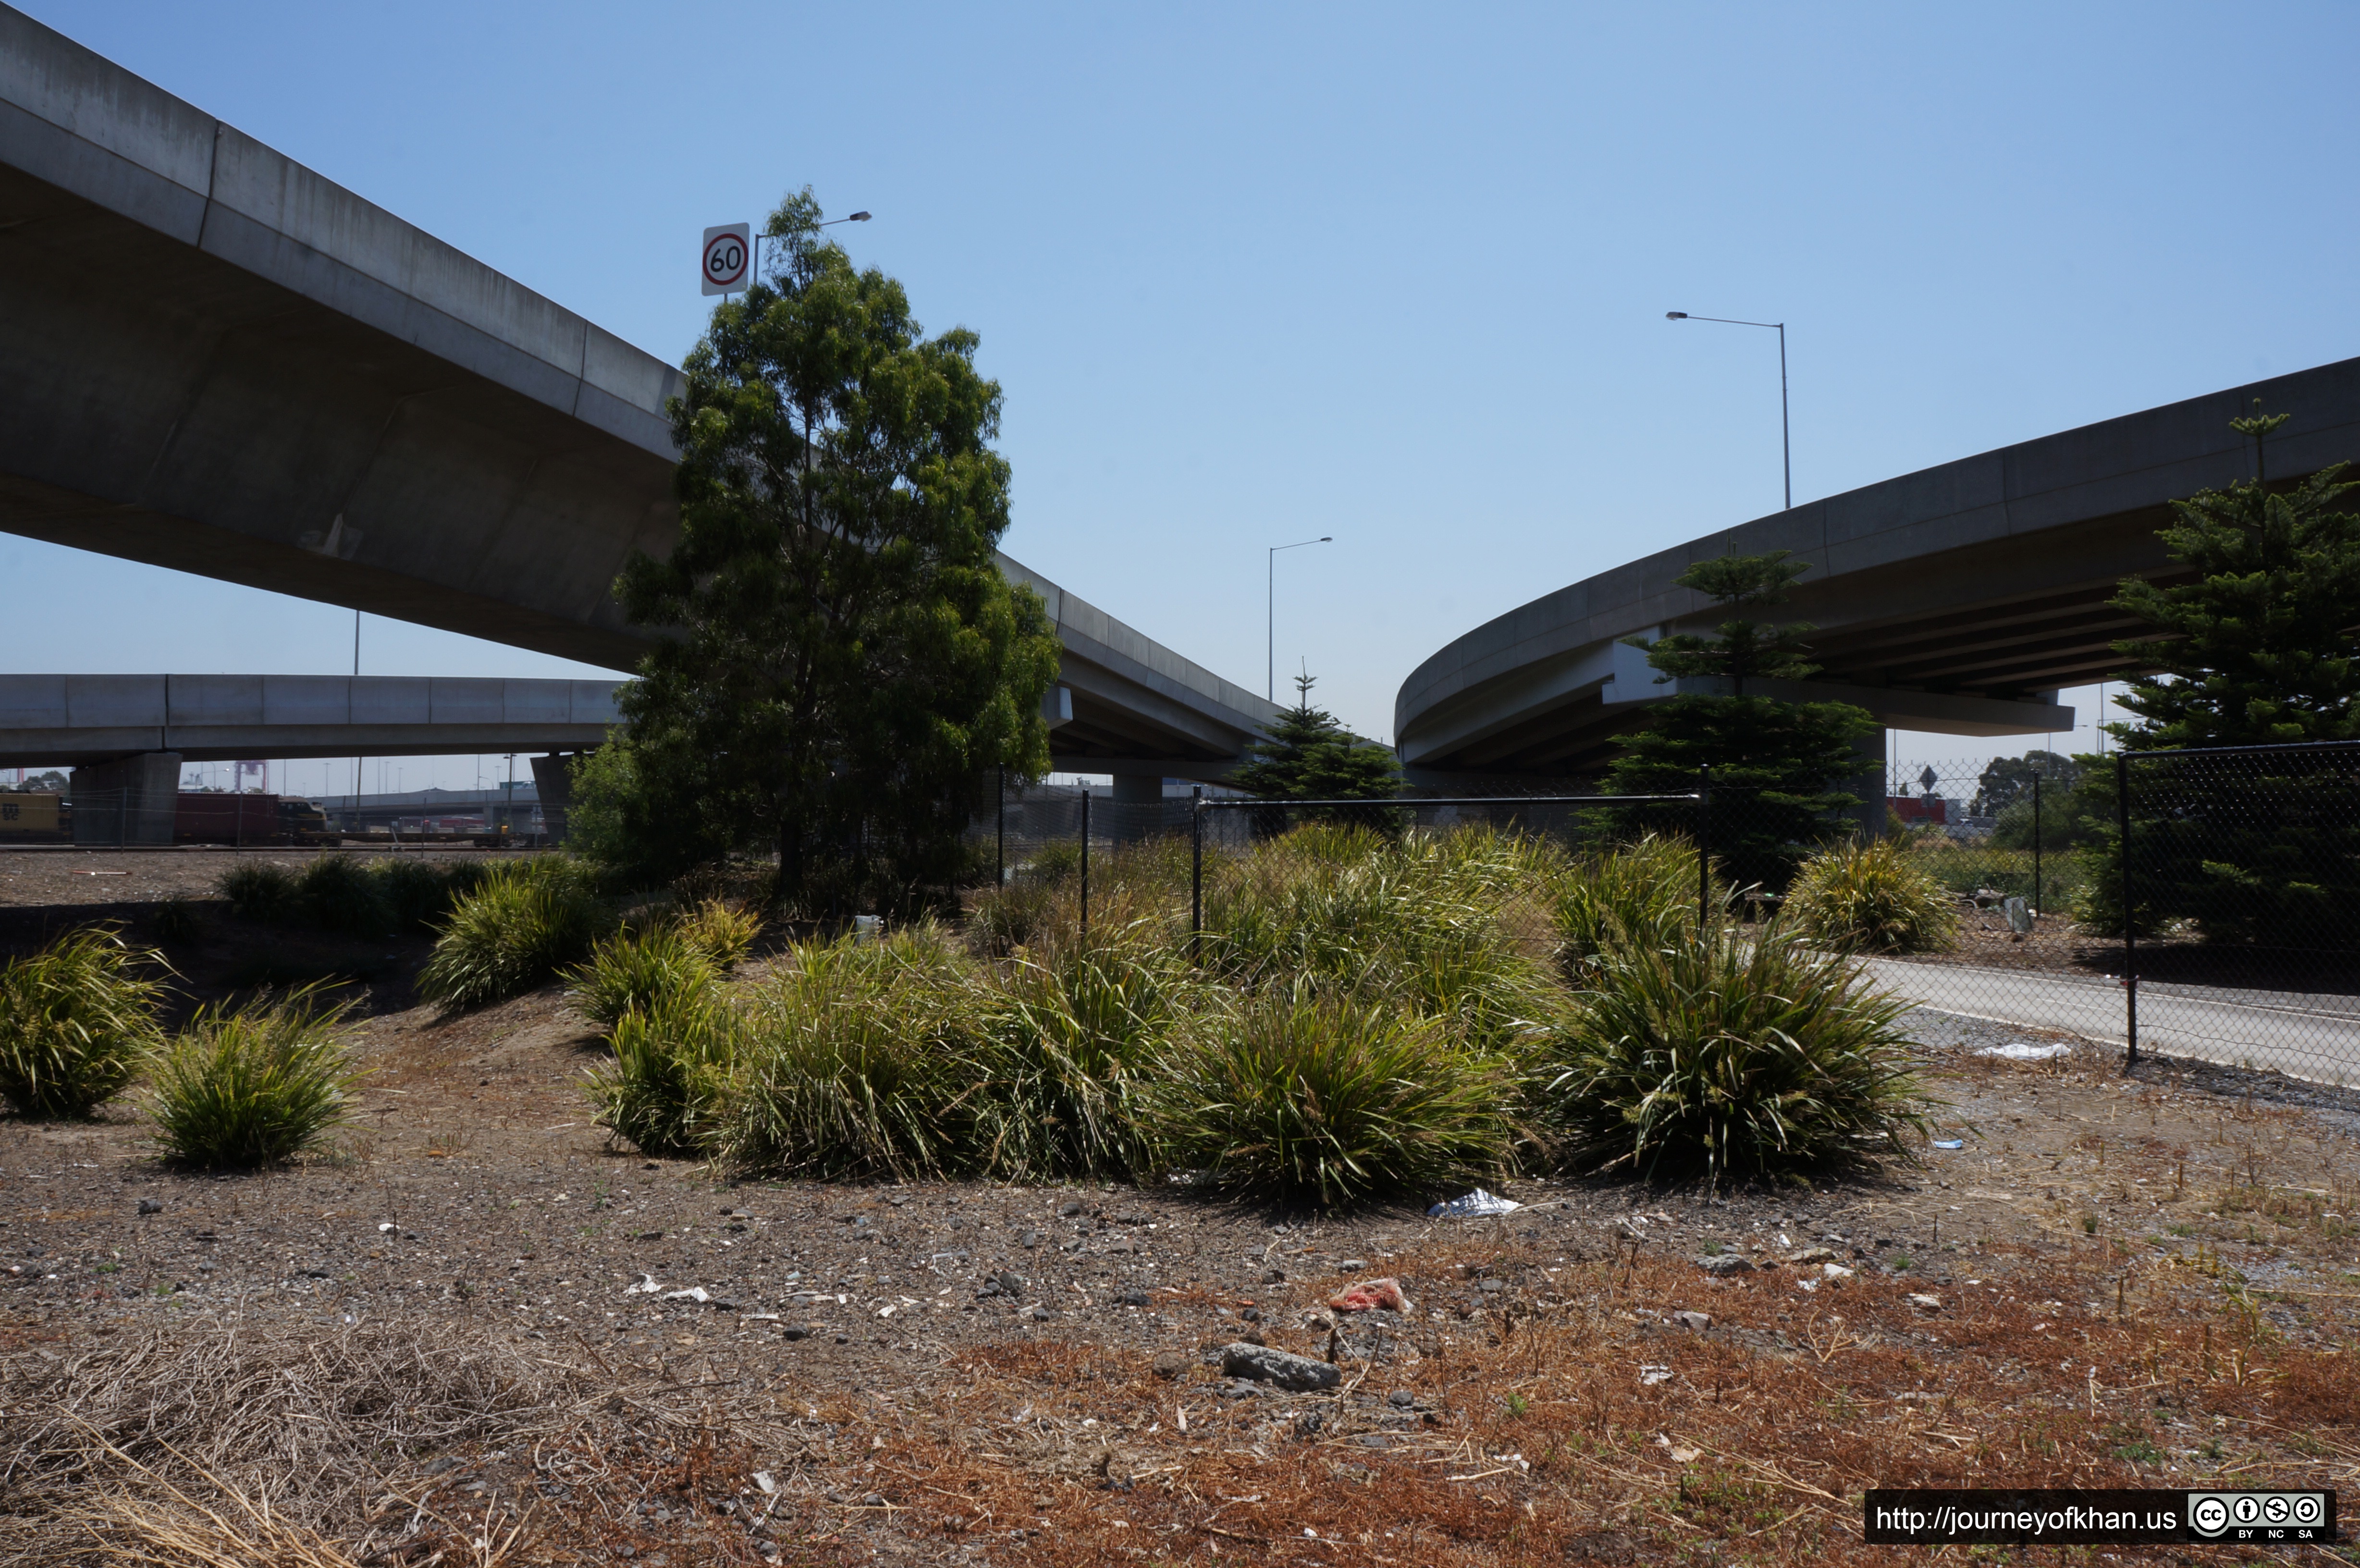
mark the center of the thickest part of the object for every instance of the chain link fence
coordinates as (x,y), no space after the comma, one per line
(2241,870)
(2240,867)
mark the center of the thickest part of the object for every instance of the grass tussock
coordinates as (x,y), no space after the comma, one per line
(1735,1058)
(253,1086)
(859,1064)
(522,923)
(672,1075)
(1875,898)
(638,972)
(77,1023)
(1329,1101)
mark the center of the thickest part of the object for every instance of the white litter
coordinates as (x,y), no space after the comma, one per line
(2023,1051)
(693,1293)
(1949,1143)
(647,1286)
(764,1479)
(383,1228)
(1651,1375)
(1476,1204)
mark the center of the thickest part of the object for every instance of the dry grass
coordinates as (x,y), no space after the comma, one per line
(283,1446)
(1537,1437)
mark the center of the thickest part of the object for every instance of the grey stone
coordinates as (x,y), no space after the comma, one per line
(1070,1207)
(1401,1399)
(1298,1374)
(1134,1297)
(1697,1322)
(1726,1264)
(1011,1283)
(1813,1255)
(150,1206)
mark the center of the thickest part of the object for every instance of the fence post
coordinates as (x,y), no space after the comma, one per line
(2130,914)
(1086,862)
(2037,903)
(1704,844)
(1196,874)
(999,835)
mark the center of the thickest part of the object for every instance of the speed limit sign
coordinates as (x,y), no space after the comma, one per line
(728,257)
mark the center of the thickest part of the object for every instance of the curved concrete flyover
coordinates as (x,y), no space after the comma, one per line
(217,360)
(1957,600)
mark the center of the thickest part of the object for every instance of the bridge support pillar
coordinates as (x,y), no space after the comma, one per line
(132,800)
(553,780)
(1139,802)
(1869,786)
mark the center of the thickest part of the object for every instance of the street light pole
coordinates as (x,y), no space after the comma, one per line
(1269,610)
(1786,434)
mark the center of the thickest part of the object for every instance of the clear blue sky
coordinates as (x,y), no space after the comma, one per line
(1258,273)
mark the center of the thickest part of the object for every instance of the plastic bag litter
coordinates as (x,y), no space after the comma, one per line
(1368,1295)
(1949,1143)
(693,1293)
(2025,1050)
(1476,1204)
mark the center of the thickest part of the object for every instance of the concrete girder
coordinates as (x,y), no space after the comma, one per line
(86,720)
(218,361)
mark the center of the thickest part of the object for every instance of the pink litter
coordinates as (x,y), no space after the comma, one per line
(1369,1295)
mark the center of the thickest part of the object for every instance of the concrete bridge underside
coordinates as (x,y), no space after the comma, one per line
(1957,600)
(215,360)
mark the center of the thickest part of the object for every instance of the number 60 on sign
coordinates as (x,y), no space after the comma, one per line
(728,257)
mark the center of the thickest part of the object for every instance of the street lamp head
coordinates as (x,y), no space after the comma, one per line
(1327,539)
(857,218)
(1676,315)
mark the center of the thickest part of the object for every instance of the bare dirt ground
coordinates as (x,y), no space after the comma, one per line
(462,1334)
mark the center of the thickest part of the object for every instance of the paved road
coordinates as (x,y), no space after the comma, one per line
(2303,1036)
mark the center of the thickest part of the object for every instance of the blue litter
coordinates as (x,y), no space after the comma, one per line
(1949,1143)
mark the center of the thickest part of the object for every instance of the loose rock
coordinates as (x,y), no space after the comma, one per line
(1695,1322)
(1298,1374)
(1722,1265)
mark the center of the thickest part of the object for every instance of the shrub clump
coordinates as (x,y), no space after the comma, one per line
(375,897)
(255,1085)
(77,1024)
(1872,898)
(1734,1058)
(520,925)
(1325,1100)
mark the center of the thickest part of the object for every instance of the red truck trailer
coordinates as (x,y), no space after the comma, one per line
(212,816)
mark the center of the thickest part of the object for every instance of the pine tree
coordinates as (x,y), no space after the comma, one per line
(2264,646)
(1307,756)
(1773,764)
(2261,649)
(848,661)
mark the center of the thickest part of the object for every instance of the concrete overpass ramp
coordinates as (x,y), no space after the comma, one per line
(1957,600)
(217,360)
